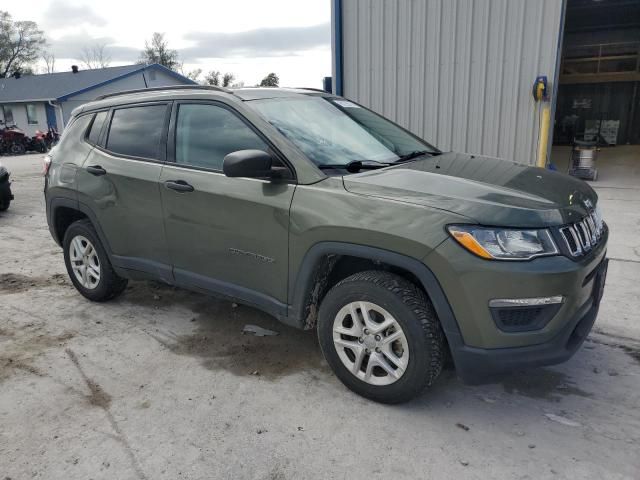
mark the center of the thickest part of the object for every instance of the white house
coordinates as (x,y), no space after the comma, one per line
(37,102)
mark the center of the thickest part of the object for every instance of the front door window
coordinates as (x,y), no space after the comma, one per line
(205,134)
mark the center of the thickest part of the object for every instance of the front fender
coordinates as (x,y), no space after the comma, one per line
(301,290)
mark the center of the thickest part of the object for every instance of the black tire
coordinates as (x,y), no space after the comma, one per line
(110,284)
(4,205)
(17,149)
(411,308)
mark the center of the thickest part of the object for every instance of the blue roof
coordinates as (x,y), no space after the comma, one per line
(54,86)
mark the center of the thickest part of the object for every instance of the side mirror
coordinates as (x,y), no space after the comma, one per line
(251,164)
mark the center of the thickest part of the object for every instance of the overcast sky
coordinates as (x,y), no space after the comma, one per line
(249,38)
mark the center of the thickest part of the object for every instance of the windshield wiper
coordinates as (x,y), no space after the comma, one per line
(354,166)
(418,153)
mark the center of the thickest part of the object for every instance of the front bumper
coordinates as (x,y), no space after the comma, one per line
(478,345)
(475,364)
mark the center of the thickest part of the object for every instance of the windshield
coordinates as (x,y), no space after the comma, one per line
(335,131)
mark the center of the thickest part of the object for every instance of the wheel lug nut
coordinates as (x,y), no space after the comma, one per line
(366,331)
(378,338)
(377,349)
(361,340)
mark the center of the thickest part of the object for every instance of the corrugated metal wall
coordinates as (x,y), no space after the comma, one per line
(457,72)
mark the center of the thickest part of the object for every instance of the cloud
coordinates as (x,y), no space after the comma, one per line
(263,42)
(60,15)
(70,46)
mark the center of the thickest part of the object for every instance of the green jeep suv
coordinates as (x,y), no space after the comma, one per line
(329,217)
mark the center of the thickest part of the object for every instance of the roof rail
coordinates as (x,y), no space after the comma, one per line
(168,87)
(312,89)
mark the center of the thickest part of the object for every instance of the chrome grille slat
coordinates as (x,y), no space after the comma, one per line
(592,229)
(583,236)
(568,234)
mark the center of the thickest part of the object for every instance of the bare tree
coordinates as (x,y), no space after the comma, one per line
(194,74)
(49,60)
(20,44)
(95,56)
(212,78)
(190,74)
(227,79)
(158,51)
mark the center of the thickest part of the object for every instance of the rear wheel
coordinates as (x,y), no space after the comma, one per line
(88,265)
(381,336)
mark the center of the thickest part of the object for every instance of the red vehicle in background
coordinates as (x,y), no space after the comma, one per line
(38,143)
(51,137)
(13,141)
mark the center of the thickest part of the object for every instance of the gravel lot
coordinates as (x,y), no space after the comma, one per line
(161,384)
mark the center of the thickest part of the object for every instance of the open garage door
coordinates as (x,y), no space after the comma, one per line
(598,96)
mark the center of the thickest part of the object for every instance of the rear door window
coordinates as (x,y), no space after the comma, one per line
(137,131)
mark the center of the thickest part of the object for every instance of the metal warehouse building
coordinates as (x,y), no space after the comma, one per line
(461,73)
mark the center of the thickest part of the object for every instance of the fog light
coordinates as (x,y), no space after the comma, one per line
(524,314)
(525,302)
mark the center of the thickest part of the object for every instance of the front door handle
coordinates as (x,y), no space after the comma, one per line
(179,186)
(96,170)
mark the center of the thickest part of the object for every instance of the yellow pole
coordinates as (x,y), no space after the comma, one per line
(543,143)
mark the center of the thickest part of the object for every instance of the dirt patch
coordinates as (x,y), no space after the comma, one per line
(630,349)
(217,338)
(15,282)
(541,384)
(5,333)
(22,345)
(97,396)
(25,367)
(632,352)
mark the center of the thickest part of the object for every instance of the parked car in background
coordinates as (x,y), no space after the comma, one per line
(5,188)
(331,218)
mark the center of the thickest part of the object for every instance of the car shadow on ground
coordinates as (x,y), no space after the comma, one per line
(215,334)
(211,331)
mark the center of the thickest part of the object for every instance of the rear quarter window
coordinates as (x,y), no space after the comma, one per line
(137,131)
(71,139)
(93,135)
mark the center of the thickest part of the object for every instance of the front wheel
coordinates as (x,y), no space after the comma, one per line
(381,336)
(17,149)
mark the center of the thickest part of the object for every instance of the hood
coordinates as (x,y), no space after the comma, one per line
(487,190)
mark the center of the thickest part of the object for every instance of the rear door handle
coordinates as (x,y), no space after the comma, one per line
(179,186)
(96,170)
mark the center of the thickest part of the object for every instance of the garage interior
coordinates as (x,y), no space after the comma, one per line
(598,93)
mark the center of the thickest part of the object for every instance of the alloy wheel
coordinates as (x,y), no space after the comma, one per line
(370,343)
(84,262)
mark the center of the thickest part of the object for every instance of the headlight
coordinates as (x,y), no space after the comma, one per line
(503,243)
